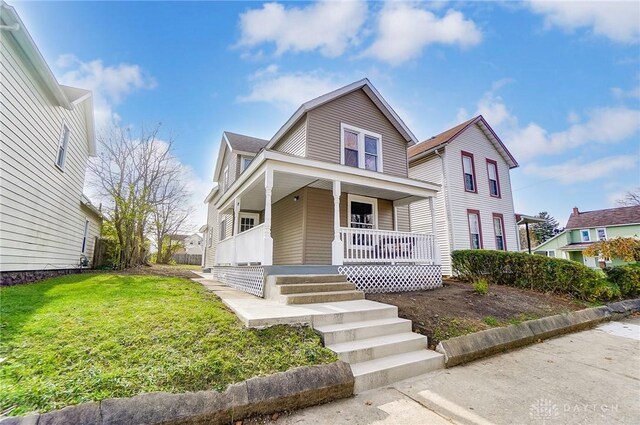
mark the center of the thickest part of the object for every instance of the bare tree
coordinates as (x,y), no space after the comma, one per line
(631,198)
(137,177)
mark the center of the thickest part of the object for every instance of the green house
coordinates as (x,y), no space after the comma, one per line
(588,227)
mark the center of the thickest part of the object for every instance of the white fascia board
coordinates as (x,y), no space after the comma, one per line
(223,146)
(28,46)
(212,192)
(307,106)
(548,240)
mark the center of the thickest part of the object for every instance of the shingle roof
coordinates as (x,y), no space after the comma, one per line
(245,143)
(438,140)
(608,217)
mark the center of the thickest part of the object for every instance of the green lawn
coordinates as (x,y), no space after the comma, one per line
(88,337)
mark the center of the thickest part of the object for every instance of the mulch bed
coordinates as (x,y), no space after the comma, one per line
(455,309)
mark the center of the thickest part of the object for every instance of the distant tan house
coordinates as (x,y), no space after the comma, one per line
(328,193)
(189,244)
(47,225)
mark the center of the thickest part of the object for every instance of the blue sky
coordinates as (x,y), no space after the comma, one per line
(559,82)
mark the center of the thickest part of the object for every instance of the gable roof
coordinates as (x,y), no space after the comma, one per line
(369,89)
(448,136)
(602,218)
(241,142)
(66,97)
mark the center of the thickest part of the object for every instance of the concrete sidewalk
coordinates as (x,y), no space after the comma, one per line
(591,377)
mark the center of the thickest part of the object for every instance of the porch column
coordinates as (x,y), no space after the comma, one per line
(337,250)
(236,227)
(267,259)
(434,230)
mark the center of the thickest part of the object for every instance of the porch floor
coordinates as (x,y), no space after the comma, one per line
(259,312)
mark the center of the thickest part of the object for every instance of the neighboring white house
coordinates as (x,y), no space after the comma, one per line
(474,209)
(191,244)
(47,225)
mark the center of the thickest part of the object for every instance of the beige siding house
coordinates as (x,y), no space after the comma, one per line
(474,209)
(330,192)
(46,137)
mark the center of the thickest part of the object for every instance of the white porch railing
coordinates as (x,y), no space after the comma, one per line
(244,248)
(382,246)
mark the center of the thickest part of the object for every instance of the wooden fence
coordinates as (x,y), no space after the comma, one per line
(193,259)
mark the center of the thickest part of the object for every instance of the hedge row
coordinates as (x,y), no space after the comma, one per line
(534,272)
(626,278)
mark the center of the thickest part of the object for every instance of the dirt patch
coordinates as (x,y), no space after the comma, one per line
(455,309)
(160,270)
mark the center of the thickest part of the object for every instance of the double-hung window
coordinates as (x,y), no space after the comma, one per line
(475,229)
(244,162)
(494,181)
(585,236)
(498,229)
(469,172)
(361,148)
(602,234)
(63,146)
(248,221)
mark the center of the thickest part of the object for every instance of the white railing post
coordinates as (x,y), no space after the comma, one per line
(337,245)
(236,226)
(435,250)
(267,239)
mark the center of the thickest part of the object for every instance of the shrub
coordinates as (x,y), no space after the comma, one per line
(604,290)
(481,286)
(526,271)
(626,278)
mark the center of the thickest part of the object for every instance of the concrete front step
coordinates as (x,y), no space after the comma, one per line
(323,297)
(310,278)
(387,370)
(305,288)
(355,311)
(374,348)
(352,331)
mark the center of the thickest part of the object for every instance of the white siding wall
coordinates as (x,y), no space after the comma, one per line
(41,223)
(474,141)
(430,169)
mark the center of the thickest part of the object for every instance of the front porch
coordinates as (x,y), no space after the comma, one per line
(290,215)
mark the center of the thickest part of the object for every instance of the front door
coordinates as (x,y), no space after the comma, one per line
(590,262)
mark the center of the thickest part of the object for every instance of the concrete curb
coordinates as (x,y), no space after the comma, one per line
(466,348)
(291,390)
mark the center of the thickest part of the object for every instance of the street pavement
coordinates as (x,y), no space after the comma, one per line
(590,377)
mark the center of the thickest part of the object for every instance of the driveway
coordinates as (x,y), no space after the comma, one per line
(590,377)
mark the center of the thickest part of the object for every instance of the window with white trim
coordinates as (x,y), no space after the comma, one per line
(546,253)
(360,148)
(362,212)
(475,232)
(245,161)
(85,235)
(469,172)
(63,146)
(223,230)
(225,179)
(602,234)
(585,236)
(248,221)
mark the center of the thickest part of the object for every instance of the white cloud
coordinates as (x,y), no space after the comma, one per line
(620,93)
(328,26)
(404,30)
(616,20)
(110,84)
(289,90)
(607,125)
(574,171)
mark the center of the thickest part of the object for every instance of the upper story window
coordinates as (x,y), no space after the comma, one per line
(602,234)
(244,162)
(585,236)
(225,179)
(63,146)
(475,229)
(469,171)
(361,148)
(498,229)
(494,181)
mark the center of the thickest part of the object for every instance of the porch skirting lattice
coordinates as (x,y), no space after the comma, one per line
(393,278)
(243,278)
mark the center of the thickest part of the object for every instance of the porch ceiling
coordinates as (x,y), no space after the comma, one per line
(372,192)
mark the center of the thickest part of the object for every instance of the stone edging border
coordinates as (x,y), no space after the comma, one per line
(291,390)
(470,347)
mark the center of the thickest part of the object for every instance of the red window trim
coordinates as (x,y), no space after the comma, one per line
(495,163)
(476,212)
(473,170)
(504,234)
